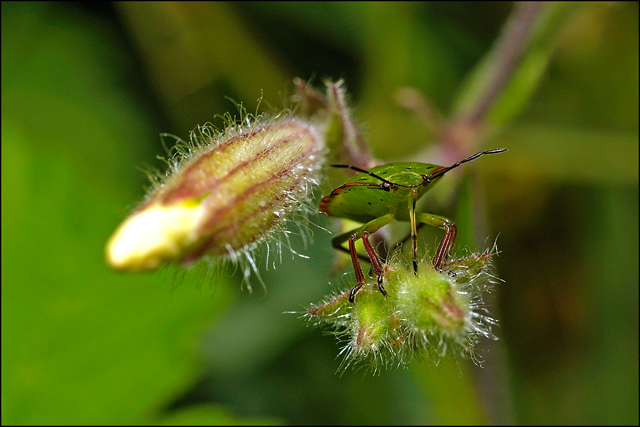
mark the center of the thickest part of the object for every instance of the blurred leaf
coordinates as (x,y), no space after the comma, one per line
(453,396)
(80,344)
(399,50)
(190,46)
(569,155)
(337,23)
(212,415)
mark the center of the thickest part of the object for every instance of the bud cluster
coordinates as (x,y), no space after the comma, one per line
(429,314)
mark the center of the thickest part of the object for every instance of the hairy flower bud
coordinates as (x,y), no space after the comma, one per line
(225,193)
(430,313)
(442,310)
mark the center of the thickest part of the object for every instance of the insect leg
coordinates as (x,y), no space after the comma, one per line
(357,267)
(414,231)
(337,242)
(414,237)
(445,246)
(353,236)
(408,236)
(375,260)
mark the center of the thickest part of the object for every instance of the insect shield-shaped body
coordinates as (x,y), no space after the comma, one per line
(377,196)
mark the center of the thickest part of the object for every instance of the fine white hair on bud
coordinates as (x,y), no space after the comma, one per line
(431,314)
(224,194)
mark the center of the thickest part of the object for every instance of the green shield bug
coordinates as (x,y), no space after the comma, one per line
(381,194)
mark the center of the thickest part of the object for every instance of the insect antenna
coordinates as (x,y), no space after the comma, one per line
(468,159)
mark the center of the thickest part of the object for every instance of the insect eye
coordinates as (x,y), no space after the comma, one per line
(426,179)
(386,186)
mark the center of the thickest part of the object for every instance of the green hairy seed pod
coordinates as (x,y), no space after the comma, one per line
(430,314)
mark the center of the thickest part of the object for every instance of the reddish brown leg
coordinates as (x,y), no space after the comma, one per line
(375,261)
(357,268)
(445,246)
(363,233)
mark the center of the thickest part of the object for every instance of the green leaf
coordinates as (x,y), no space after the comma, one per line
(207,415)
(80,344)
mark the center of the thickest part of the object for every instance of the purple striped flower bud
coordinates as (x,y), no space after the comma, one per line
(225,193)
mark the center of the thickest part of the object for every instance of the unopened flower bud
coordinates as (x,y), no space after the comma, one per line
(226,193)
(431,302)
(443,310)
(369,327)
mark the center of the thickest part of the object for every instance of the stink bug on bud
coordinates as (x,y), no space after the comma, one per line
(381,194)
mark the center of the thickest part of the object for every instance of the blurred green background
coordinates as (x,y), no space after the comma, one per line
(87,88)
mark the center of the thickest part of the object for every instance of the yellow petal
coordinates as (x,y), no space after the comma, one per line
(152,236)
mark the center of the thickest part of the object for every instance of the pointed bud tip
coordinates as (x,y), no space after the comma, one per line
(152,236)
